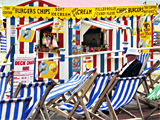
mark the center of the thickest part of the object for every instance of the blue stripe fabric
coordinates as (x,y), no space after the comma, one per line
(3,43)
(144,71)
(13,109)
(100,83)
(35,90)
(73,82)
(3,83)
(142,57)
(124,93)
(89,72)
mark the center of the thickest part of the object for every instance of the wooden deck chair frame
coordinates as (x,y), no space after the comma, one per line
(104,97)
(142,97)
(80,101)
(41,102)
(144,94)
(56,101)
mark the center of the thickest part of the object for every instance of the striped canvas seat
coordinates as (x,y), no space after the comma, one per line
(100,83)
(13,109)
(4,76)
(36,90)
(73,82)
(142,57)
(124,92)
(3,44)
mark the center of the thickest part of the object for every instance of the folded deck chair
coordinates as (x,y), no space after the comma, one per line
(151,98)
(154,96)
(149,71)
(125,91)
(149,82)
(4,79)
(13,109)
(38,91)
(100,81)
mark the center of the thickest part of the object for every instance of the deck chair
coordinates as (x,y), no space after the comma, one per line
(143,58)
(151,98)
(68,88)
(4,79)
(13,109)
(149,71)
(38,91)
(97,82)
(154,96)
(124,93)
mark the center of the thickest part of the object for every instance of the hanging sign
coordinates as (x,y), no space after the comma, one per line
(145,36)
(57,26)
(23,69)
(26,36)
(48,69)
(78,12)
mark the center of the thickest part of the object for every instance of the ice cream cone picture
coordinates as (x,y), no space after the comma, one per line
(43,67)
(73,41)
(148,43)
(26,33)
(88,65)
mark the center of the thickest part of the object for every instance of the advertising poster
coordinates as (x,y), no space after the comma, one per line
(76,61)
(57,26)
(48,69)
(26,36)
(145,36)
(23,69)
(87,63)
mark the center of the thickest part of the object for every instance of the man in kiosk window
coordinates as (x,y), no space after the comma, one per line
(133,65)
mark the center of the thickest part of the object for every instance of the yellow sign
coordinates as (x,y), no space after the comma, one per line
(26,36)
(145,35)
(57,26)
(48,69)
(78,12)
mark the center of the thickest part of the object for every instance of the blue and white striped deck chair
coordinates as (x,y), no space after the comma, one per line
(61,89)
(38,91)
(4,79)
(124,93)
(3,44)
(70,86)
(13,109)
(143,58)
(100,81)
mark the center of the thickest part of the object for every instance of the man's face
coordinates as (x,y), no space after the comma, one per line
(130,58)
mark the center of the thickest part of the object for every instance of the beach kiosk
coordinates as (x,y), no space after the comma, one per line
(78,26)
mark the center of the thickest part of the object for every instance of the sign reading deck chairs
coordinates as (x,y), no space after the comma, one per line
(23,69)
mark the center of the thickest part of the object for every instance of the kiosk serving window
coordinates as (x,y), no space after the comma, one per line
(93,38)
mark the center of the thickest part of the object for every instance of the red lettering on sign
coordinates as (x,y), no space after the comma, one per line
(26,68)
